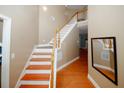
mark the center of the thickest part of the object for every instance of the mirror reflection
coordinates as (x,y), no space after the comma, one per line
(104,57)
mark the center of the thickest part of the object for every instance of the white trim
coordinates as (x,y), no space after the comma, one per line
(50,80)
(23,82)
(42,50)
(104,67)
(55,67)
(5,51)
(41,45)
(68,63)
(39,63)
(93,81)
(41,56)
(0,44)
(37,71)
(23,71)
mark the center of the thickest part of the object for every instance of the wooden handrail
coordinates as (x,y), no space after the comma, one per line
(81,11)
(55,39)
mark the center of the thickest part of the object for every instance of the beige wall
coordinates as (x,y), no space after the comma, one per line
(47,26)
(24,35)
(106,21)
(70,47)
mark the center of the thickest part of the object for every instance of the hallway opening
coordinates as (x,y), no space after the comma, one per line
(75,75)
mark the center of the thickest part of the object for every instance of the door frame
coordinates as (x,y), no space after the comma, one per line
(6,38)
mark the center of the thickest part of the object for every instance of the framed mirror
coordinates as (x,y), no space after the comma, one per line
(104,57)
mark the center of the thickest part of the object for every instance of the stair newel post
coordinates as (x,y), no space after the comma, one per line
(77,16)
(55,39)
(52,69)
(53,56)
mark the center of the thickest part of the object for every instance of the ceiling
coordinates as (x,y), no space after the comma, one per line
(76,6)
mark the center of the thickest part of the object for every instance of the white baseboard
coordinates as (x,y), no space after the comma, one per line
(93,81)
(68,63)
(104,67)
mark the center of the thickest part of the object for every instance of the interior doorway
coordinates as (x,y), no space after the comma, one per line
(1,38)
(4,50)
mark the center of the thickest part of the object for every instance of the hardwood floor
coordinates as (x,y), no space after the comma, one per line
(75,75)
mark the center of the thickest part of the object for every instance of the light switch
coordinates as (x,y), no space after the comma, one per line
(12,55)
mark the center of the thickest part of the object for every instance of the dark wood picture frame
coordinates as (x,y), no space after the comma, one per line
(115,59)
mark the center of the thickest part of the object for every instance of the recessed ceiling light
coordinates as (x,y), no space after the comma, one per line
(44,8)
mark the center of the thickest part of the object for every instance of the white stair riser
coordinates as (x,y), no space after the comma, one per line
(38,71)
(43,45)
(40,63)
(23,82)
(43,50)
(62,34)
(41,56)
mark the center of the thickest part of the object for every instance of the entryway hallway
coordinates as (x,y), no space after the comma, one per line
(75,75)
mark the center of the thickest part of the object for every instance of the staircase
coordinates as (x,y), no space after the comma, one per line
(63,33)
(37,72)
(40,70)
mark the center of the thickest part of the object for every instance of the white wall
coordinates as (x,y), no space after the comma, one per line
(106,21)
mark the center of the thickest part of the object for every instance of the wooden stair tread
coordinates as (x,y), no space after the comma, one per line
(38,67)
(34,86)
(36,77)
(36,53)
(40,59)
